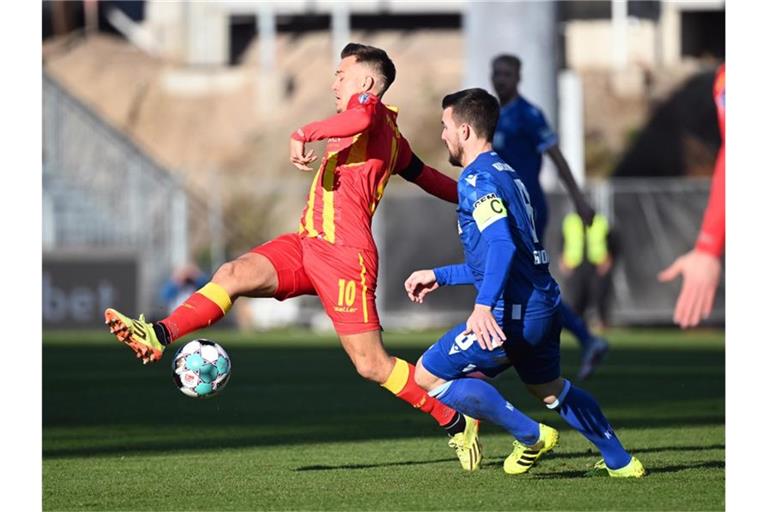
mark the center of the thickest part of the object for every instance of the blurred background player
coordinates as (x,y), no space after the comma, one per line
(516,319)
(184,282)
(701,267)
(334,254)
(521,136)
(586,263)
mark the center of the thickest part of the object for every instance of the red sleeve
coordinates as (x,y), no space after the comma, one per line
(712,234)
(356,119)
(432,181)
(438,184)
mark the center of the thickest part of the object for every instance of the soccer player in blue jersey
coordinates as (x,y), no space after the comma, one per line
(522,136)
(516,319)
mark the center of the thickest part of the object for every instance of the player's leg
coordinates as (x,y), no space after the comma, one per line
(602,295)
(441,371)
(372,362)
(345,280)
(259,273)
(447,370)
(539,369)
(397,376)
(582,412)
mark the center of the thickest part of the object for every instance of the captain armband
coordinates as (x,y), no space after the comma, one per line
(487,210)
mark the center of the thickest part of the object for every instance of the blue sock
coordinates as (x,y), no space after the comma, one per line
(478,399)
(582,412)
(576,325)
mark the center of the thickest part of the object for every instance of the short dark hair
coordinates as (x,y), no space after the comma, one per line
(506,58)
(476,107)
(377,57)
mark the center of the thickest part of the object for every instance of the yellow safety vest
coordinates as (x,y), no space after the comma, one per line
(574,236)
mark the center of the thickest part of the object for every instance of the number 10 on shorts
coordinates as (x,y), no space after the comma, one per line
(346,292)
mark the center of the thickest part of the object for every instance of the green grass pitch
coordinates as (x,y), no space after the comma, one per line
(297,429)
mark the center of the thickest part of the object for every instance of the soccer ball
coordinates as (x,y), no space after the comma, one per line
(201,368)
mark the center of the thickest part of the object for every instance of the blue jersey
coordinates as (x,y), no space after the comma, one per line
(522,135)
(504,258)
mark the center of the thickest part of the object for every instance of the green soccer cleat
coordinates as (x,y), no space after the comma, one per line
(523,457)
(467,445)
(137,334)
(634,469)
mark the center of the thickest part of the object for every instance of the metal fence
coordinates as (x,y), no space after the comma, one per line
(101,191)
(654,220)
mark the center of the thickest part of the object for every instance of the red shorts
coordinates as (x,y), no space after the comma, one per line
(343,277)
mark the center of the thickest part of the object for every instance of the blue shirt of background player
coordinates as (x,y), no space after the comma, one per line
(522,135)
(504,258)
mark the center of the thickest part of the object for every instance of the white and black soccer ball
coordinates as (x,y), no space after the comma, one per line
(201,368)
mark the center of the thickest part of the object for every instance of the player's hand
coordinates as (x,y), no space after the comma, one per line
(585,211)
(604,267)
(299,158)
(701,275)
(419,284)
(482,323)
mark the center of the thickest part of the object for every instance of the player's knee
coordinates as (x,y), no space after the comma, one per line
(240,276)
(226,276)
(372,370)
(547,392)
(424,379)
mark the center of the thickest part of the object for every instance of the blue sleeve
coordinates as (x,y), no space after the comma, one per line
(454,274)
(536,125)
(501,251)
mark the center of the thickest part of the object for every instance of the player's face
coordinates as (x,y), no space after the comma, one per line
(450,137)
(505,78)
(350,79)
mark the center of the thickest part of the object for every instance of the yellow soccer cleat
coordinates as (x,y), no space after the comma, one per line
(467,445)
(137,334)
(634,469)
(523,457)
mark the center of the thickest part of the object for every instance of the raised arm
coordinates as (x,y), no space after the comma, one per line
(583,208)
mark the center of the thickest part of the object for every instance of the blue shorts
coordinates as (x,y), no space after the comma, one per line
(532,347)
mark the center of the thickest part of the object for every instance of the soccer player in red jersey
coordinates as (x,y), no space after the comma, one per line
(333,255)
(701,267)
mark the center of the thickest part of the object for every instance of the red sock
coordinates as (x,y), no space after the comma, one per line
(206,306)
(402,385)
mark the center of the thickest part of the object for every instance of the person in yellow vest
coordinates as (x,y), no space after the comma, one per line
(586,263)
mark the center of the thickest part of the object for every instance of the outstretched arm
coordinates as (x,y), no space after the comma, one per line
(701,267)
(422,282)
(356,119)
(344,124)
(432,181)
(583,208)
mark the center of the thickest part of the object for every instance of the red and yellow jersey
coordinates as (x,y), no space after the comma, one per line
(364,149)
(711,237)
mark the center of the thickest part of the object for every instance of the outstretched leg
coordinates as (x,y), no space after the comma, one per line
(581,411)
(252,275)
(396,375)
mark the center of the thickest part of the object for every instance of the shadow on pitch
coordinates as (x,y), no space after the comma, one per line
(498,461)
(651,470)
(97,400)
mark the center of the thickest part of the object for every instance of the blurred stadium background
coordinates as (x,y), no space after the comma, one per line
(165,129)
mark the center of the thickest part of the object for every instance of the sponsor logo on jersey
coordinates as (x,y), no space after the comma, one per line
(363,98)
(502,166)
(471,179)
